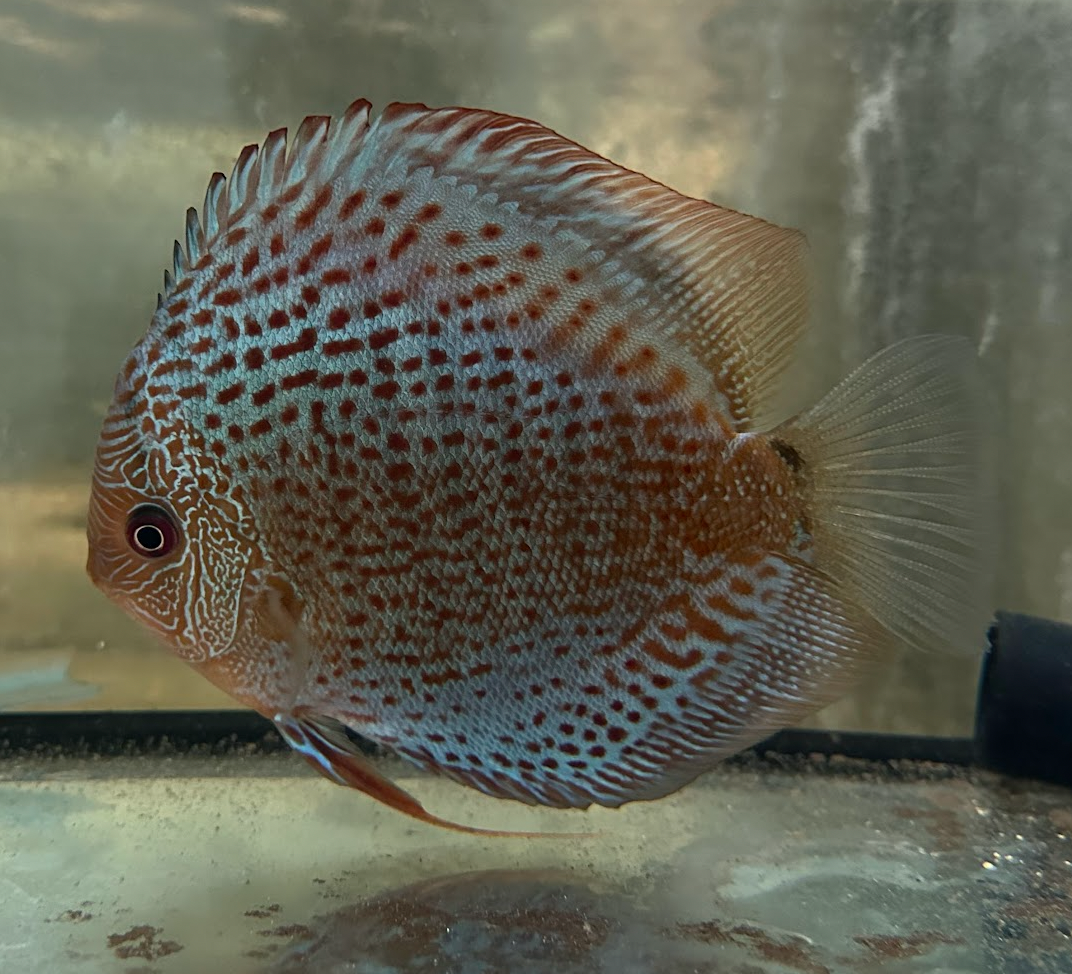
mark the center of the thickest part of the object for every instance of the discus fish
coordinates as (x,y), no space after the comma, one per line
(451,432)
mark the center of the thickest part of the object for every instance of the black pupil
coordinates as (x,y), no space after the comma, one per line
(149,537)
(151,531)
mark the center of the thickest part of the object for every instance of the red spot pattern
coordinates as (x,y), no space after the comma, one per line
(308,216)
(225,363)
(343,346)
(297,381)
(403,242)
(382,338)
(230,394)
(338,318)
(478,377)
(305,342)
(227,297)
(264,395)
(336,275)
(321,247)
(351,205)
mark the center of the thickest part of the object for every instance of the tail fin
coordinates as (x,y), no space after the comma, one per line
(900,491)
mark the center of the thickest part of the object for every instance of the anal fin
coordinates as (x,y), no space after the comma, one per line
(805,649)
(337,759)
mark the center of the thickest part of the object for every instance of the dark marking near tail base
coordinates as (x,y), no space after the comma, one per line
(793,460)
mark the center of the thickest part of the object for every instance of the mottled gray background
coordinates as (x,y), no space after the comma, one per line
(925,146)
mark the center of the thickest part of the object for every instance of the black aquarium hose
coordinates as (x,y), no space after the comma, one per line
(1023,720)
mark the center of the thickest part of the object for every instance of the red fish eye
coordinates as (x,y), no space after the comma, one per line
(151,531)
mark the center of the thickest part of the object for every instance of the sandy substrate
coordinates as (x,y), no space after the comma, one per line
(243,864)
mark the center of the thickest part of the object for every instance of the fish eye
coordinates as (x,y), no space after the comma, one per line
(151,531)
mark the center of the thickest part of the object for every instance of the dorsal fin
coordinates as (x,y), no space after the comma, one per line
(263,173)
(722,289)
(730,288)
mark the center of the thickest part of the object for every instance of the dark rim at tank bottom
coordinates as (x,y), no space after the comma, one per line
(176,732)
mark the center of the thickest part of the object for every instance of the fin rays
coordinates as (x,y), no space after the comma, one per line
(900,490)
(263,173)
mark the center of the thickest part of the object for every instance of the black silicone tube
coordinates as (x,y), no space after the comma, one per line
(1023,720)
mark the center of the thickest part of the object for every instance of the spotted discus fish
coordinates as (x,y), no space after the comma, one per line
(451,432)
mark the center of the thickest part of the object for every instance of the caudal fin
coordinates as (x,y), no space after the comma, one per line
(900,490)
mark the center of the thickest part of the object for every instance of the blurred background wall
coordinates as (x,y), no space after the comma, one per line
(925,146)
